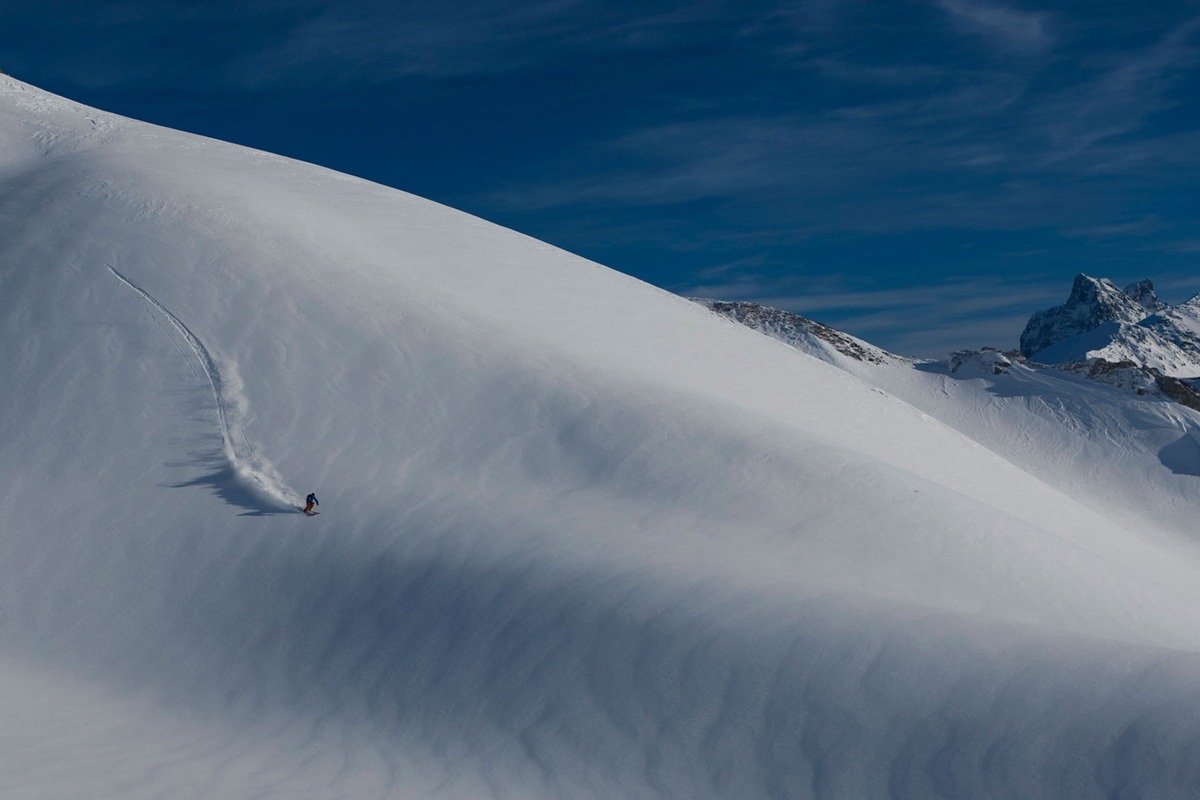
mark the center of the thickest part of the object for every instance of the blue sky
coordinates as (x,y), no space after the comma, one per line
(922,174)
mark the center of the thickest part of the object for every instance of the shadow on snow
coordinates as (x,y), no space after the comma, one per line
(230,487)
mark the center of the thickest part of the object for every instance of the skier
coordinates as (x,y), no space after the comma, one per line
(309,502)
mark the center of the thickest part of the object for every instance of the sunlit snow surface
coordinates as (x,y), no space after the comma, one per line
(580,538)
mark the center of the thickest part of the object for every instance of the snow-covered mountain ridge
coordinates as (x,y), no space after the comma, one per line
(1125,338)
(1100,321)
(1075,406)
(1091,304)
(579,537)
(804,334)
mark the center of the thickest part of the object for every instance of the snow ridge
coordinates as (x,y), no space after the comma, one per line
(253,472)
(804,334)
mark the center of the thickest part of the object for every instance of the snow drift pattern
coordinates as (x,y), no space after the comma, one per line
(603,543)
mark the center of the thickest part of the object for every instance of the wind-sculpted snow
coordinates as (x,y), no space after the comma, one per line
(580,538)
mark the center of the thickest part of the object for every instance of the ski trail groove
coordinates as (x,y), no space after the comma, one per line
(257,474)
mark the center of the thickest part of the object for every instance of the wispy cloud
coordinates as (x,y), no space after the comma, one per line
(349,41)
(754,139)
(1105,118)
(1002,26)
(932,144)
(925,321)
(1139,227)
(266,44)
(925,318)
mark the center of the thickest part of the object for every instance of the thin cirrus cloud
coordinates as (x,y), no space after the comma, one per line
(1108,119)
(432,40)
(952,142)
(919,321)
(124,46)
(882,144)
(348,43)
(1004,27)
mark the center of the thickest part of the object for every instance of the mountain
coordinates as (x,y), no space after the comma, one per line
(1093,304)
(1115,429)
(579,537)
(1100,321)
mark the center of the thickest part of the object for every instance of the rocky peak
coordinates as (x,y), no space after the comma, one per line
(1143,293)
(1092,303)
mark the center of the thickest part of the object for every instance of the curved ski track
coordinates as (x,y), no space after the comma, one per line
(257,474)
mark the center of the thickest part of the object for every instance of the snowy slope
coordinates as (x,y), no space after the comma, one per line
(579,537)
(1120,437)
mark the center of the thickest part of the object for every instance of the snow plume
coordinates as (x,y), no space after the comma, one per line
(249,469)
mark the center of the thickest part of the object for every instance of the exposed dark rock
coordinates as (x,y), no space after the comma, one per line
(1180,391)
(795,329)
(1093,302)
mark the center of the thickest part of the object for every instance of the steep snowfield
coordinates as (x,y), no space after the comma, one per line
(580,538)
(1134,458)
(1104,433)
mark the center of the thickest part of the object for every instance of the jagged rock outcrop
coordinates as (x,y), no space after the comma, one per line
(985,361)
(800,332)
(1093,303)
(1143,292)
(1101,322)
